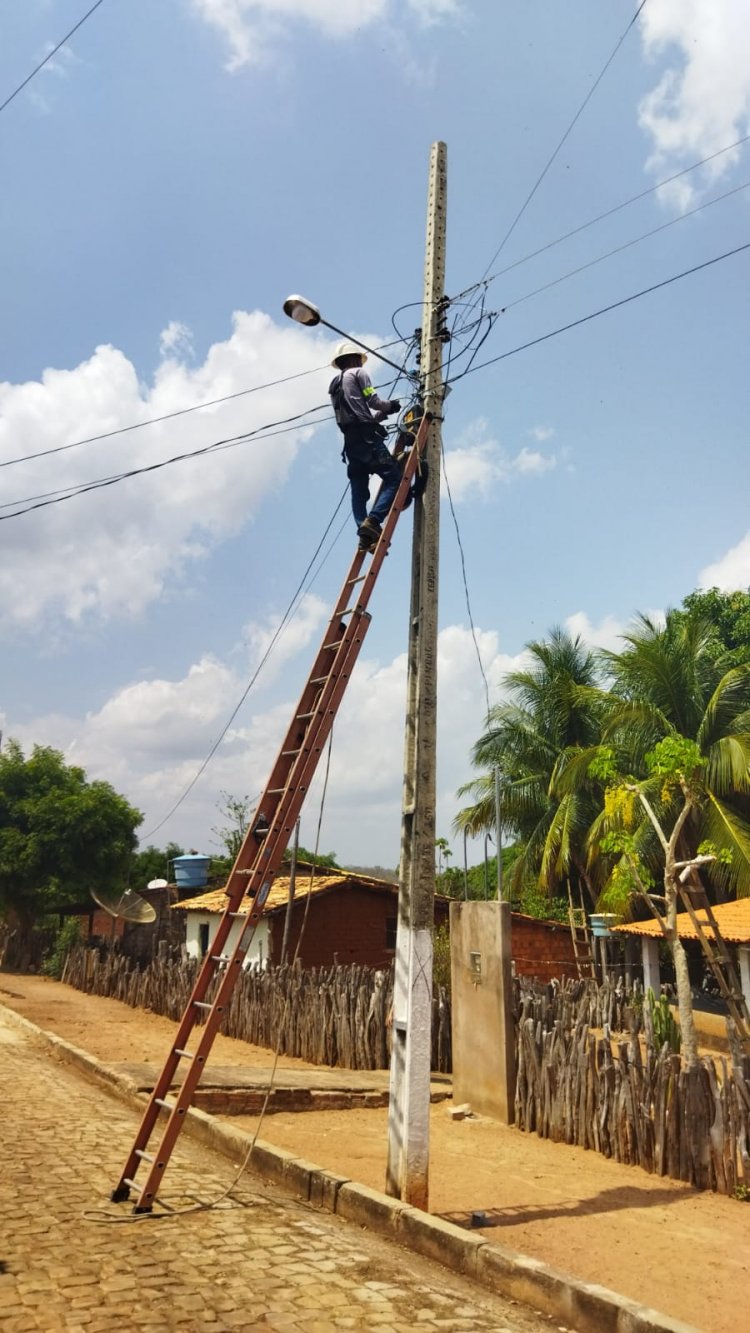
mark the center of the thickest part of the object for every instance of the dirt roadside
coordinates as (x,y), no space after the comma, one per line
(685,1253)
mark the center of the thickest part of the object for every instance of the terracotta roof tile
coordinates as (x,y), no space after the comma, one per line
(733,920)
(216,900)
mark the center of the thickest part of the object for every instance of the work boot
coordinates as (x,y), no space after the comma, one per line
(369,532)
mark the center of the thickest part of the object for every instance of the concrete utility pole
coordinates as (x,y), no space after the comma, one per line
(409,1108)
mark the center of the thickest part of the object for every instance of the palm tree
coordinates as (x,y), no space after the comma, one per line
(667,681)
(553,719)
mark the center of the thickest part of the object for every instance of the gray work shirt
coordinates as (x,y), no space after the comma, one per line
(354,399)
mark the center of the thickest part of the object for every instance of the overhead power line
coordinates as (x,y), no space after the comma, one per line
(565,136)
(260,433)
(627,245)
(600,217)
(614,305)
(179,412)
(288,615)
(49,55)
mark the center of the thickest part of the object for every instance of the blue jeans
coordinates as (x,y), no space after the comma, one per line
(373,460)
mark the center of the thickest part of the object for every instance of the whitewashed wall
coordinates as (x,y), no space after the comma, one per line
(257,954)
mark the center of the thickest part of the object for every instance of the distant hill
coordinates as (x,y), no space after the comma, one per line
(376,872)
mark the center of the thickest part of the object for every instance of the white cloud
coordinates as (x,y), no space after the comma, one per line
(542,433)
(176,340)
(702,100)
(478,465)
(607,634)
(150,737)
(252,28)
(732,571)
(113,553)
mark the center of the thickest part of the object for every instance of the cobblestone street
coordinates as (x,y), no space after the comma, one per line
(259,1260)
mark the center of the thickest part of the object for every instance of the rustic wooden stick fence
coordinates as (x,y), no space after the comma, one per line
(575,1082)
(327,1015)
(628,1100)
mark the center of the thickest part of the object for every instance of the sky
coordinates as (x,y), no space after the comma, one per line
(169,177)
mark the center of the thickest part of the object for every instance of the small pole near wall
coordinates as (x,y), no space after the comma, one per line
(499,833)
(466,866)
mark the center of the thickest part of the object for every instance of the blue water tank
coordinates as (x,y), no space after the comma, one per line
(191,872)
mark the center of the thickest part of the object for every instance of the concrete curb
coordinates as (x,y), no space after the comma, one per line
(583,1306)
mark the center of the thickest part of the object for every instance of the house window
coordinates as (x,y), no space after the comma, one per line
(203,938)
(390,932)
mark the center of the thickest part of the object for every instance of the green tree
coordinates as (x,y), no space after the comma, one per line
(668,798)
(551,725)
(668,683)
(60,835)
(727,618)
(152,863)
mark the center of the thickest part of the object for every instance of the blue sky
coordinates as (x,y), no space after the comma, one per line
(169,177)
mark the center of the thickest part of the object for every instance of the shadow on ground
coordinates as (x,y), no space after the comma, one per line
(608,1201)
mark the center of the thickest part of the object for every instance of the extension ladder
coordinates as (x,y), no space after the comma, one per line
(262,850)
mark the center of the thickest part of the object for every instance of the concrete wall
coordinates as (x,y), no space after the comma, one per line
(483,1034)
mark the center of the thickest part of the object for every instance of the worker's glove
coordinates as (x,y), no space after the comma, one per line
(394,406)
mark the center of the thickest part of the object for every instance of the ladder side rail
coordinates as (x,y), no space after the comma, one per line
(260,856)
(717,965)
(248,853)
(194,1071)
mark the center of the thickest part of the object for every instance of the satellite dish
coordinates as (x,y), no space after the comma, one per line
(158,884)
(128,904)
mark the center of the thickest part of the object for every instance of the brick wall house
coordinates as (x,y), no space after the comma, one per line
(542,949)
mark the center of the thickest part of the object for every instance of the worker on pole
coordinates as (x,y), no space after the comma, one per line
(359,412)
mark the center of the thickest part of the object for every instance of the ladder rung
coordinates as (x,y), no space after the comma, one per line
(164,1104)
(288,753)
(317,680)
(184,1055)
(337,644)
(130,1183)
(275,791)
(147,1156)
(236,914)
(219,957)
(304,715)
(358,579)
(202,1004)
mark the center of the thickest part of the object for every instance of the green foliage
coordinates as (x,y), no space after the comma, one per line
(322,858)
(533,901)
(666,1030)
(66,938)
(727,615)
(674,757)
(236,811)
(441,957)
(60,835)
(152,863)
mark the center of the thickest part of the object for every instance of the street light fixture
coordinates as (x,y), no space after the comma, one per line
(307,313)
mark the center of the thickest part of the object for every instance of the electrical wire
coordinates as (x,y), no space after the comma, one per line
(600,217)
(565,136)
(260,433)
(291,610)
(179,412)
(618,249)
(614,305)
(465,580)
(99,1216)
(49,55)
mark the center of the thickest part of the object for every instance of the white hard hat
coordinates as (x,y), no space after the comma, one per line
(348,349)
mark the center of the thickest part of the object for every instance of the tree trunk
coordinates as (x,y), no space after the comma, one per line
(682,981)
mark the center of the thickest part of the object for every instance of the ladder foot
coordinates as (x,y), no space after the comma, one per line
(143,1208)
(120,1194)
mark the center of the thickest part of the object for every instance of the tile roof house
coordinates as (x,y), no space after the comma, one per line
(351,919)
(733,920)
